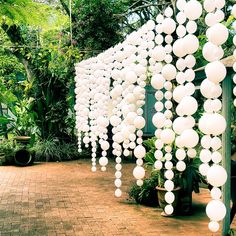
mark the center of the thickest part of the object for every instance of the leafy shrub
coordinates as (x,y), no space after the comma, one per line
(147,193)
(53,150)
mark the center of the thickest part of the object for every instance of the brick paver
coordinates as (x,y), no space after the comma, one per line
(68,199)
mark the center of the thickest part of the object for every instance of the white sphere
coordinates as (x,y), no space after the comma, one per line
(139,182)
(169,174)
(216,175)
(118,183)
(191,43)
(139,172)
(118,193)
(139,151)
(206,141)
(209,5)
(216,193)
(169,71)
(219,15)
(216,143)
(167,136)
(105,145)
(181,4)
(118,174)
(210,19)
(190,61)
(215,71)
(216,157)
(181,31)
(190,138)
(217,34)
(215,210)
(191,27)
(115,120)
(212,52)
(158,120)
(168,25)
(214,226)
(169,197)
(131,77)
(209,89)
(191,153)
(179,93)
(139,122)
(180,154)
(169,185)
(103,161)
(205,155)
(158,53)
(219,4)
(93,169)
(180,17)
(180,166)
(158,165)
(169,209)
(179,48)
(180,65)
(189,105)
(158,81)
(188,9)
(216,105)
(168,165)
(203,169)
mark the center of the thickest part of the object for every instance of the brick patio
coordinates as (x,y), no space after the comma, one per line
(68,199)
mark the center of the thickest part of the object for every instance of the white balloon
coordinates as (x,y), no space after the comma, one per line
(191,153)
(180,154)
(181,4)
(179,48)
(179,93)
(209,89)
(115,120)
(169,209)
(216,193)
(139,151)
(188,9)
(158,165)
(212,52)
(215,71)
(206,141)
(168,25)
(216,175)
(216,157)
(190,61)
(158,120)
(139,172)
(189,105)
(169,197)
(180,65)
(210,19)
(205,155)
(216,143)
(189,75)
(180,166)
(219,15)
(158,53)
(181,31)
(217,34)
(118,193)
(203,169)
(103,161)
(190,138)
(213,226)
(105,145)
(167,136)
(169,71)
(219,4)
(191,43)
(169,185)
(209,5)
(131,77)
(215,210)
(158,81)
(180,17)
(191,27)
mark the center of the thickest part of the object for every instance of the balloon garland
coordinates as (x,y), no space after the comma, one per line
(110,90)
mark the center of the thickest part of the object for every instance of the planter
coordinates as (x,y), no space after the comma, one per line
(161,197)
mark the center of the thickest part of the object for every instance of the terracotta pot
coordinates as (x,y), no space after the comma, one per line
(161,196)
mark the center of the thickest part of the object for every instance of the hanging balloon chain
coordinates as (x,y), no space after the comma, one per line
(212,123)
(185,46)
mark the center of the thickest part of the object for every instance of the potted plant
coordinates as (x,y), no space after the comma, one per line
(184,182)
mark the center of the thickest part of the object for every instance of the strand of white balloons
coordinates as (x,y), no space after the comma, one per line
(212,123)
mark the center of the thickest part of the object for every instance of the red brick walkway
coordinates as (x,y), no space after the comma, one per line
(67,199)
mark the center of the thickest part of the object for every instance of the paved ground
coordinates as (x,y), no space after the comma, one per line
(67,199)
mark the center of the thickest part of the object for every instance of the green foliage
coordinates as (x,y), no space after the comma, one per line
(17,12)
(53,150)
(147,193)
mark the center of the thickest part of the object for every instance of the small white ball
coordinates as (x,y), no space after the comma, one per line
(214,226)
(215,210)
(118,193)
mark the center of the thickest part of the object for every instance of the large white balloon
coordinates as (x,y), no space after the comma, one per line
(216,210)
(188,105)
(138,172)
(179,93)
(139,122)
(168,25)
(190,138)
(158,120)
(167,136)
(158,53)
(158,81)
(191,43)
(209,89)
(169,71)
(216,175)
(215,71)
(212,52)
(193,9)
(139,151)
(217,34)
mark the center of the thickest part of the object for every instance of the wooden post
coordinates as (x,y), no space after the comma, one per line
(226,149)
